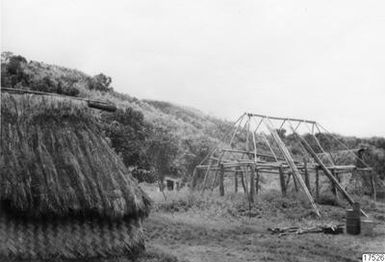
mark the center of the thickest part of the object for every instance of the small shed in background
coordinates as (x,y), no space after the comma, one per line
(172,183)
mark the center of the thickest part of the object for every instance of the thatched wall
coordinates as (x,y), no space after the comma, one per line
(48,239)
(56,166)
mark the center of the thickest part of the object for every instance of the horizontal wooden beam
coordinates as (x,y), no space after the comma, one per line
(367,169)
(252,153)
(276,165)
(347,167)
(353,150)
(283,118)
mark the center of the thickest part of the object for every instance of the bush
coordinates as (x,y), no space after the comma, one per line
(100,82)
(125,129)
(143,175)
(127,132)
(46,84)
(12,71)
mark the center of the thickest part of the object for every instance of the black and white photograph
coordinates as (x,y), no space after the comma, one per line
(192,131)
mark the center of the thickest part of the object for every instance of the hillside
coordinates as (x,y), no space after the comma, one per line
(188,133)
(154,138)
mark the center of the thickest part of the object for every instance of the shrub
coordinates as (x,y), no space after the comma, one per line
(143,175)
(46,84)
(100,82)
(12,71)
(126,130)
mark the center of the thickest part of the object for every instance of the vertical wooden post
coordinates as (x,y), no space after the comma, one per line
(221,180)
(243,182)
(288,180)
(317,184)
(216,171)
(307,182)
(282,180)
(236,180)
(334,189)
(252,184)
(257,182)
(246,174)
(374,189)
(339,180)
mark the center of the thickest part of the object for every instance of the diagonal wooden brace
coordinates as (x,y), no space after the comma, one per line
(327,172)
(290,162)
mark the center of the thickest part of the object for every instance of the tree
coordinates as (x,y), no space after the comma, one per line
(126,130)
(5,56)
(15,63)
(100,82)
(12,70)
(195,149)
(161,151)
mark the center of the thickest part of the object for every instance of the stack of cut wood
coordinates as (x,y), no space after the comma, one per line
(328,229)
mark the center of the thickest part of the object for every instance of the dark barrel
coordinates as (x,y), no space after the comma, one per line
(353,220)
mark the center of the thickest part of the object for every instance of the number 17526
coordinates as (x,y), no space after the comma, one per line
(373,257)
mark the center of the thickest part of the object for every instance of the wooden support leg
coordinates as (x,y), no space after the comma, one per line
(246,172)
(221,181)
(317,184)
(243,182)
(282,180)
(307,181)
(374,189)
(334,188)
(213,184)
(252,184)
(288,180)
(236,181)
(257,183)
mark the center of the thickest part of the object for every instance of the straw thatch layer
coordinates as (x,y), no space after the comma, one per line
(56,162)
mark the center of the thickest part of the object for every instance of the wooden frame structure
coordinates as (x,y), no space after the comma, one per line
(251,160)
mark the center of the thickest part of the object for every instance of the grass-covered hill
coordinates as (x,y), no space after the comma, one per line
(151,136)
(154,138)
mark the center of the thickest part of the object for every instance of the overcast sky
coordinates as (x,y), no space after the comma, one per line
(320,60)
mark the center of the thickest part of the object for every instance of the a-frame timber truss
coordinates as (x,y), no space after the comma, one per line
(256,147)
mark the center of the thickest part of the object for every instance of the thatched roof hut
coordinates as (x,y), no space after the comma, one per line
(63,190)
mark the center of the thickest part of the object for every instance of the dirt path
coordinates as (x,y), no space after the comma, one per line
(193,238)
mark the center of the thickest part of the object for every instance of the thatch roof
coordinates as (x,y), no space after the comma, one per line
(56,162)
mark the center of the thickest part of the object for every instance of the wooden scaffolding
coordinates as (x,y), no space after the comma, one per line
(255,147)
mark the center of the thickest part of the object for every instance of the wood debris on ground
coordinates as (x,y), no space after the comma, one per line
(328,229)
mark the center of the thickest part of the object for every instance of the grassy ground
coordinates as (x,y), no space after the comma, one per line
(196,227)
